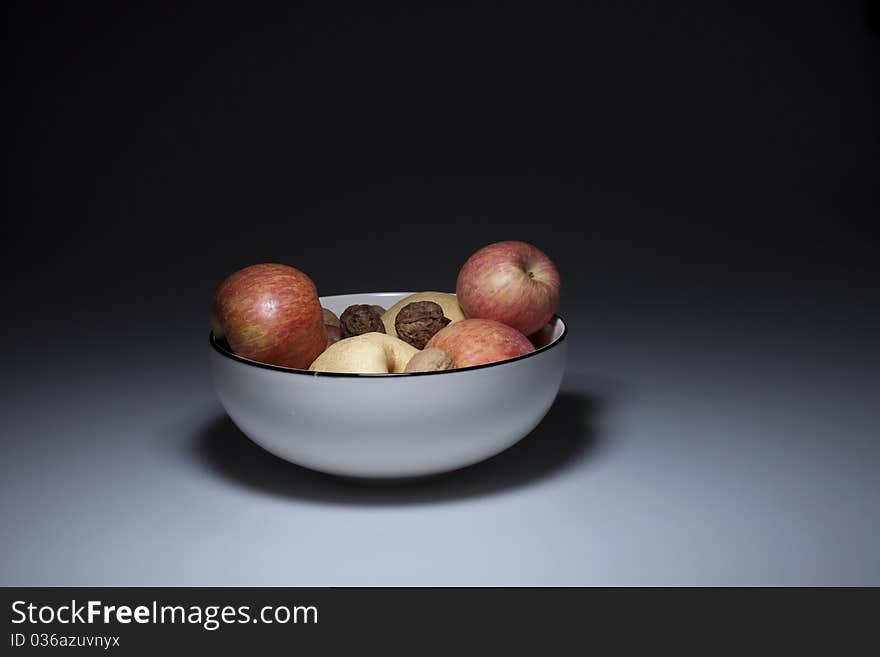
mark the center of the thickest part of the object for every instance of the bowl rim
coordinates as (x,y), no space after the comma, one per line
(223,351)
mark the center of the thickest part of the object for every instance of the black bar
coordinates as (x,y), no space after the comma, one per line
(421,618)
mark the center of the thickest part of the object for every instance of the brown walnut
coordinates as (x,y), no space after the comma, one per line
(360,319)
(417,322)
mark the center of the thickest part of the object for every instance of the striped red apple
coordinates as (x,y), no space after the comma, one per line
(270,313)
(514,283)
(480,341)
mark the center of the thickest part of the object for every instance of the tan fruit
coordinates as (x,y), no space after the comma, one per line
(369,353)
(430,360)
(330,318)
(446,301)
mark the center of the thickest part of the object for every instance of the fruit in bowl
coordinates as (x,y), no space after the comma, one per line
(270,313)
(506,291)
(368,353)
(436,382)
(473,342)
(514,283)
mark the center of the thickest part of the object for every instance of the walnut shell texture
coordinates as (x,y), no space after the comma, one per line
(417,322)
(447,301)
(360,319)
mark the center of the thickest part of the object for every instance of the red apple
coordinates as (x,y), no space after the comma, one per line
(270,313)
(511,282)
(480,341)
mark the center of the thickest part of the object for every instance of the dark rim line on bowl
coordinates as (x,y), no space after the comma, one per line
(290,370)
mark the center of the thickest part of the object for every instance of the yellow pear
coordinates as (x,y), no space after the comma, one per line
(369,353)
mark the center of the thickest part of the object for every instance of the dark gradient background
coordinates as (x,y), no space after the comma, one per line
(704,178)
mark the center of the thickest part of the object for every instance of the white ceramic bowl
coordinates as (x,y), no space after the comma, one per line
(389,425)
